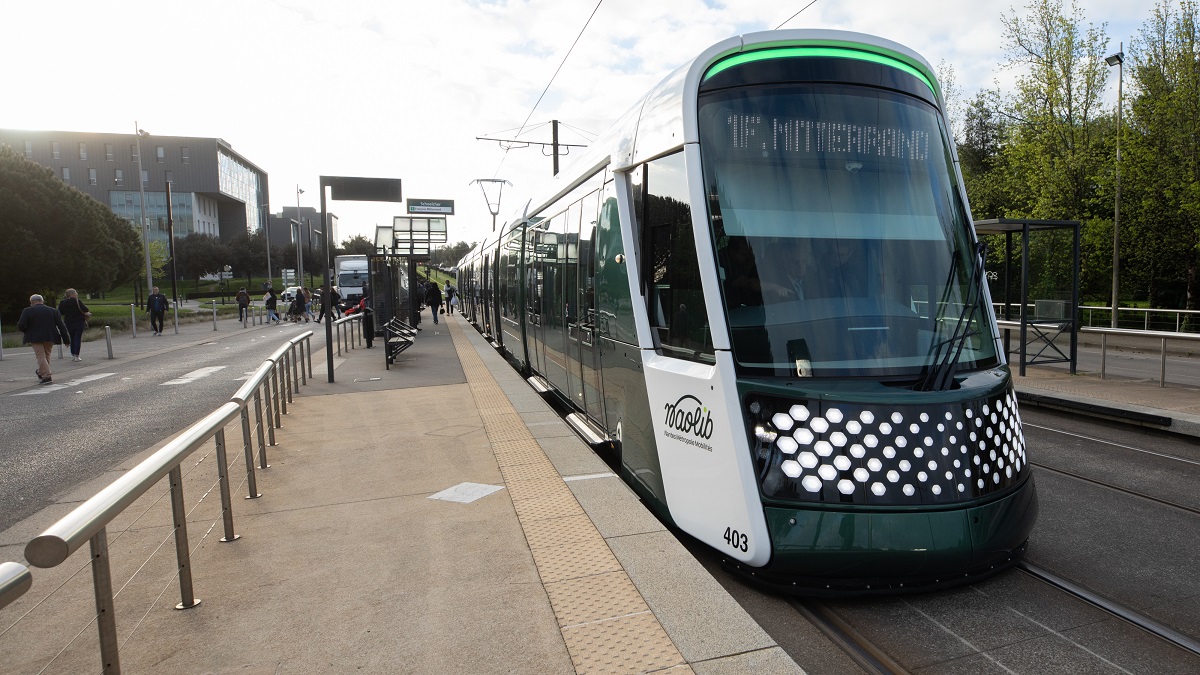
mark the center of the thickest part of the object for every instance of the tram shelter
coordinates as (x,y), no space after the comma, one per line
(392,268)
(1056,313)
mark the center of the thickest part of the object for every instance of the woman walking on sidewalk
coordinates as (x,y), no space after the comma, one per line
(271,301)
(75,315)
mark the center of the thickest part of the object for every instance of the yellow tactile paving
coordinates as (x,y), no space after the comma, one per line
(559,531)
(581,559)
(593,598)
(626,644)
(606,624)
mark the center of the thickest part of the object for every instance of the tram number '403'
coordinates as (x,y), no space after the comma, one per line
(737,540)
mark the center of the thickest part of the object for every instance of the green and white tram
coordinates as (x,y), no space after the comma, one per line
(762,288)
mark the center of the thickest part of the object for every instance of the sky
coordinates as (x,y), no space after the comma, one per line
(403,88)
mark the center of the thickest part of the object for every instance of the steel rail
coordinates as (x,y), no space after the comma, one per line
(860,650)
(1118,610)
(1117,488)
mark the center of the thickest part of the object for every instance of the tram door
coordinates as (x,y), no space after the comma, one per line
(626,403)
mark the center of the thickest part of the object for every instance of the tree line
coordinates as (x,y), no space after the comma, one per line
(1047,149)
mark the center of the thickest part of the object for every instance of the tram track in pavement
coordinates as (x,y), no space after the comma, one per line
(1113,486)
(1114,608)
(866,654)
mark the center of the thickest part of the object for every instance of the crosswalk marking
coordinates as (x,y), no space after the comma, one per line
(46,389)
(187,378)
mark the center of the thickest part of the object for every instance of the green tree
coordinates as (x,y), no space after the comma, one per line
(1055,146)
(200,254)
(248,254)
(1160,205)
(53,236)
(357,245)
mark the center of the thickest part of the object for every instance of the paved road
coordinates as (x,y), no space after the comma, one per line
(98,412)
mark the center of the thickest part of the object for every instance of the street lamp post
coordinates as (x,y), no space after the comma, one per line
(299,240)
(1117,60)
(267,228)
(142,191)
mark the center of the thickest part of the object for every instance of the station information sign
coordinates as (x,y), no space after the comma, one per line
(431,206)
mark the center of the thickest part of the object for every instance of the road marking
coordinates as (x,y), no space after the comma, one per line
(188,378)
(245,376)
(46,389)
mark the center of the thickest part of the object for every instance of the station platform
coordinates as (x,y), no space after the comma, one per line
(434,517)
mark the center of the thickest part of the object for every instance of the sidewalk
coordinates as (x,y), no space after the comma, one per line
(540,560)
(346,562)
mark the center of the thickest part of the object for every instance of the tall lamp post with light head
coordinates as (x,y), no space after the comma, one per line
(142,191)
(1117,60)
(299,240)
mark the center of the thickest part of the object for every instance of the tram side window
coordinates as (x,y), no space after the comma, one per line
(674,294)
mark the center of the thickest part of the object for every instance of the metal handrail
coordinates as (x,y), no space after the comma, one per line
(88,522)
(1146,312)
(60,540)
(344,324)
(15,579)
(1163,336)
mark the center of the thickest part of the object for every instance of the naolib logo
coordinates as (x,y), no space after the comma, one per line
(689,416)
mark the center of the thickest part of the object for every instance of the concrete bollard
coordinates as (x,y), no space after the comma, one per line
(214,314)
(108,340)
(133,317)
(1,344)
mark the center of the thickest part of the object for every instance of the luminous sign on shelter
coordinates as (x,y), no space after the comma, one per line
(438,206)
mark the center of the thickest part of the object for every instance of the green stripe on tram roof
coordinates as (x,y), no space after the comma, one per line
(809,52)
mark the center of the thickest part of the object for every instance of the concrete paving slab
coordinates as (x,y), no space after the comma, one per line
(571,456)
(703,621)
(613,507)
(770,661)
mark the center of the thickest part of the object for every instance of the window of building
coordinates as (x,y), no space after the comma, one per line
(108,152)
(28,149)
(161,153)
(66,173)
(133,154)
(92,177)
(83,151)
(55,150)
(145,179)
(119,178)
(185,154)
(170,176)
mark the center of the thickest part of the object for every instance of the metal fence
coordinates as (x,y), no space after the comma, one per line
(260,403)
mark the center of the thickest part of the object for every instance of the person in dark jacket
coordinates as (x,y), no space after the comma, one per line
(243,301)
(75,315)
(433,298)
(157,304)
(43,328)
(368,316)
(271,301)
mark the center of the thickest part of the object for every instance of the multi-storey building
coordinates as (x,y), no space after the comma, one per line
(214,190)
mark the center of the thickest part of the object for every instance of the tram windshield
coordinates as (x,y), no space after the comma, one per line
(843,245)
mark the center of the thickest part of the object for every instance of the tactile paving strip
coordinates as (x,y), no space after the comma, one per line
(606,624)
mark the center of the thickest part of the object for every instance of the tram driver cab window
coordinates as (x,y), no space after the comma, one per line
(670,273)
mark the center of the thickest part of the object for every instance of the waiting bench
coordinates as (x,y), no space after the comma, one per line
(397,337)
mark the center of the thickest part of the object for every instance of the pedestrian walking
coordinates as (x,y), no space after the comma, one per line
(157,304)
(433,298)
(243,301)
(451,298)
(75,315)
(43,328)
(271,301)
(308,300)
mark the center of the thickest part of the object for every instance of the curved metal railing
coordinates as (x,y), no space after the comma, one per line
(275,381)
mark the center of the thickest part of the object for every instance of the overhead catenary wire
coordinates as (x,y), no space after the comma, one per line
(796,14)
(551,82)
